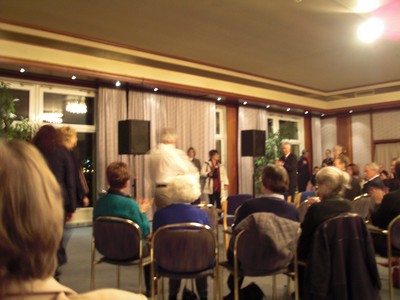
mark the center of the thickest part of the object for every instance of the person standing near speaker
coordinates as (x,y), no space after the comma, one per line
(165,163)
(216,184)
(289,162)
(192,157)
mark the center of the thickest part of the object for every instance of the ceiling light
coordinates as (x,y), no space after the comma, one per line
(366,6)
(306,112)
(118,83)
(245,103)
(22,70)
(370,30)
(73,77)
(76,105)
(268,106)
(219,98)
(55,118)
(288,109)
(350,111)
(322,115)
(155,89)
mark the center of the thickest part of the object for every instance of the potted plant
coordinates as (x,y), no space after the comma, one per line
(10,129)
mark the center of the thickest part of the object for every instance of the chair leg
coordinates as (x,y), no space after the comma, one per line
(274,287)
(92,279)
(288,286)
(236,285)
(162,288)
(390,279)
(118,276)
(140,277)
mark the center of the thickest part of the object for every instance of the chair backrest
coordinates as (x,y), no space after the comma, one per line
(394,232)
(303,208)
(211,213)
(361,205)
(117,238)
(184,248)
(235,201)
(265,243)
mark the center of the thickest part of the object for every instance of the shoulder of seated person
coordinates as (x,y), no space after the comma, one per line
(106,294)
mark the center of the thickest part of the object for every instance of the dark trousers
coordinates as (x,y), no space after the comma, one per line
(175,284)
(215,198)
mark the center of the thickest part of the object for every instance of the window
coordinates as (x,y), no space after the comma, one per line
(49,104)
(220,133)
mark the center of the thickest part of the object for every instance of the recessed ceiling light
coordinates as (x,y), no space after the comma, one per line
(245,103)
(366,6)
(322,115)
(268,106)
(22,70)
(350,111)
(155,89)
(118,83)
(219,98)
(73,77)
(306,112)
(371,30)
(288,109)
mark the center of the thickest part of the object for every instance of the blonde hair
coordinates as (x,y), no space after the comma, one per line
(31,215)
(66,134)
(168,136)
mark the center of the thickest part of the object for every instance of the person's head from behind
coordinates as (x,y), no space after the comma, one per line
(353,170)
(31,215)
(118,175)
(68,137)
(184,189)
(191,152)
(214,155)
(274,180)
(168,136)
(331,182)
(286,148)
(340,163)
(46,139)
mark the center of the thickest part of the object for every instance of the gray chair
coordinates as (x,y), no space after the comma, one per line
(361,205)
(120,243)
(184,251)
(264,244)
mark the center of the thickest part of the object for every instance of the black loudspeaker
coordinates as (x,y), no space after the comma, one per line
(133,137)
(253,143)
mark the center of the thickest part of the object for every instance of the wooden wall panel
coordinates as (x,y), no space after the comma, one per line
(232,148)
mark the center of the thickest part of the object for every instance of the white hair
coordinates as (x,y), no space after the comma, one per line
(168,136)
(331,182)
(184,189)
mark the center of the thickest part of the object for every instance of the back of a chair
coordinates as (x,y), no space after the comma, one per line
(184,248)
(235,201)
(394,232)
(211,213)
(117,238)
(361,205)
(265,243)
(303,208)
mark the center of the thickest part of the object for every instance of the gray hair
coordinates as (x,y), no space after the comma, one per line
(184,189)
(373,166)
(331,182)
(168,136)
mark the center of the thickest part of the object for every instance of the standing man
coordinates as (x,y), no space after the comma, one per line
(167,162)
(303,168)
(289,162)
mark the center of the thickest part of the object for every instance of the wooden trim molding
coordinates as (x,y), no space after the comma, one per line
(232,122)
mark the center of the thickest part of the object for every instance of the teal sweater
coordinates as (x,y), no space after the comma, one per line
(114,205)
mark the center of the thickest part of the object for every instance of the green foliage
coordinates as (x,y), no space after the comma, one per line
(8,129)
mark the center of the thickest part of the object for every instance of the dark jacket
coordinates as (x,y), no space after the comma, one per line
(376,182)
(387,211)
(63,167)
(316,215)
(290,164)
(303,176)
(355,190)
(333,269)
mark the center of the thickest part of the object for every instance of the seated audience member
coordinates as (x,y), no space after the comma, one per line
(387,207)
(182,190)
(371,177)
(392,181)
(275,182)
(352,186)
(117,204)
(31,227)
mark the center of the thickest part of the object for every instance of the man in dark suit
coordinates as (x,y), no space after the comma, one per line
(275,183)
(289,162)
(387,207)
(371,176)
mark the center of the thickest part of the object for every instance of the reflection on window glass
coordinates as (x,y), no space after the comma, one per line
(218,145)
(218,120)
(85,151)
(288,130)
(296,149)
(70,109)
(21,102)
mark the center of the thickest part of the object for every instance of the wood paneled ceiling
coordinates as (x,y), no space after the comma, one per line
(308,43)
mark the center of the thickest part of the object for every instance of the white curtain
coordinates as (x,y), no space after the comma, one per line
(249,118)
(384,153)
(193,120)
(111,108)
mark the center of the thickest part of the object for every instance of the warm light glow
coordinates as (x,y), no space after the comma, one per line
(219,99)
(118,83)
(268,106)
(155,89)
(245,103)
(350,111)
(288,109)
(76,107)
(323,115)
(22,70)
(366,6)
(52,117)
(306,112)
(73,77)
(370,30)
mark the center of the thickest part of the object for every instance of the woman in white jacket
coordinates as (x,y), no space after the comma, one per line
(216,180)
